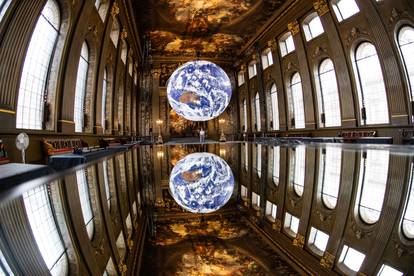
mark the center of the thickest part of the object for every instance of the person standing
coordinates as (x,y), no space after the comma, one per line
(202,135)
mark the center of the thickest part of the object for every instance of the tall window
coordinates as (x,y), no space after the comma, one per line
(297,108)
(85,201)
(252,69)
(106,182)
(104,93)
(351,258)
(45,231)
(4,266)
(259,160)
(257,112)
(291,224)
(298,163)
(329,107)
(246,156)
(330,175)
(267,58)
(4,4)
(276,165)
(81,81)
(408,219)
(115,32)
(274,107)
(371,89)
(406,44)
(245,115)
(286,44)
(373,173)
(240,78)
(344,9)
(36,68)
(312,26)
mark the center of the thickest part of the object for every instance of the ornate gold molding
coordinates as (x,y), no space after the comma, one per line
(321,7)
(277,225)
(294,27)
(122,268)
(66,122)
(327,260)
(299,241)
(130,243)
(124,33)
(115,9)
(7,111)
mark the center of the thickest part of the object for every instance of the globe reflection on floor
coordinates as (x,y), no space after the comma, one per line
(201,182)
(199,90)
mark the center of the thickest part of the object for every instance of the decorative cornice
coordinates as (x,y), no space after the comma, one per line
(294,27)
(321,7)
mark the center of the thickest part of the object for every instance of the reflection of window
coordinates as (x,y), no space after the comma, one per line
(85,201)
(252,69)
(102,8)
(408,219)
(243,192)
(329,108)
(389,271)
(80,92)
(4,4)
(120,244)
(296,106)
(318,239)
(274,107)
(344,9)
(271,210)
(104,91)
(245,115)
(351,258)
(115,32)
(312,26)
(286,44)
(373,173)
(291,224)
(330,175)
(246,157)
(255,200)
(240,78)
(257,112)
(371,88)
(298,169)
(36,68)
(276,165)
(45,231)
(259,160)
(267,58)
(406,44)
(106,182)
(124,51)
(4,266)
(128,223)
(110,269)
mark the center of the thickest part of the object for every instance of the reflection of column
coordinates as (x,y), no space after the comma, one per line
(155,100)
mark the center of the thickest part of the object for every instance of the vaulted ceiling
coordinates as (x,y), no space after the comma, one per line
(206,28)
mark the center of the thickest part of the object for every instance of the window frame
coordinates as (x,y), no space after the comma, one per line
(307,28)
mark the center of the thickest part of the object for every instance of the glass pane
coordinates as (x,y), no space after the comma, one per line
(313,27)
(115,32)
(330,175)
(104,91)
(297,101)
(81,81)
(257,109)
(33,82)
(298,177)
(389,271)
(408,219)
(352,258)
(44,229)
(345,9)
(406,42)
(85,201)
(240,78)
(246,157)
(328,96)
(290,45)
(4,266)
(276,164)
(274,107)
(318,239)
(259,160)
(245,115)
(4,4)
(106,182)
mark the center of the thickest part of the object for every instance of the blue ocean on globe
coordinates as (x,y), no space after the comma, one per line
(199,90)
(201,182)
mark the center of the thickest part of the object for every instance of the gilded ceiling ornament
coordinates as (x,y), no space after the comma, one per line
(277,225)
(130,243)
(243,68)
(294,27)
(122,267)
(272,44)
(124,33)
(115,9)
(299,241)
(327,260)
(321,7)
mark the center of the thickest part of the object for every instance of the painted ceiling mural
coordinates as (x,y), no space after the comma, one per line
(211,28)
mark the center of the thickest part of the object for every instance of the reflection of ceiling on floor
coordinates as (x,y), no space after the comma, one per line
(205,27)
(212,247)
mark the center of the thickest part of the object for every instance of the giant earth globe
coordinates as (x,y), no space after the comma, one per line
(201,182)
(199,90)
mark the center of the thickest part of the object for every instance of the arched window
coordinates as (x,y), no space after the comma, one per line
(38,207)
(344,9)
(252,69)
(257,112)
(312,26)
(124,51)
(240,78)
(373,174)
(102,6)
(35,75)
(104,93)
(259,160)
(408,218)
(297,108)
(106,182)
(245,115)
(115,32)
(4,266)
(246,156)
(406,44)
(81,81)
(297,169)
(330,175)
(286,44)
(267,58)
(371,88)
(85,201)
(4,4)
(276,165)
(329,107)
(274,107)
